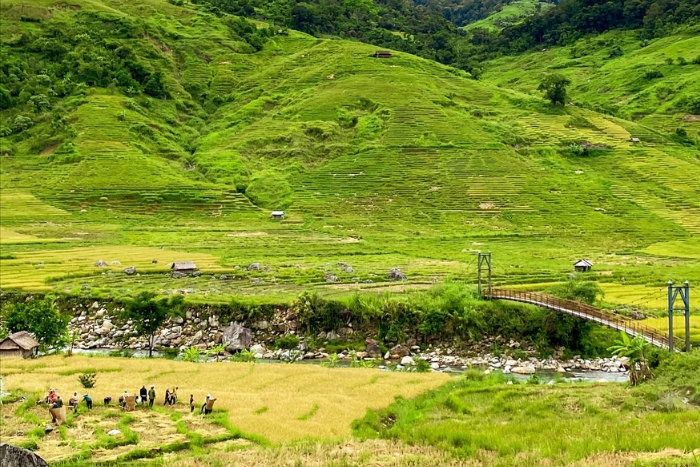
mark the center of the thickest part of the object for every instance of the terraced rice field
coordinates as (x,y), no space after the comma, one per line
(377,163)
(278,402)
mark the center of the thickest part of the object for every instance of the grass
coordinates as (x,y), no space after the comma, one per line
(509,15)
(277,387)
(562,424)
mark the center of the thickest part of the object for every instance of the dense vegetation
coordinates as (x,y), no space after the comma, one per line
(573,19)
(445,313)
(431,28)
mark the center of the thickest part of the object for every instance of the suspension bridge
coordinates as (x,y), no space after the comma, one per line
(612,320)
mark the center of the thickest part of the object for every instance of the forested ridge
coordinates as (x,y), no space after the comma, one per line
(431,28)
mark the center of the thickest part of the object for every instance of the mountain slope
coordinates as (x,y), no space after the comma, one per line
(391,162)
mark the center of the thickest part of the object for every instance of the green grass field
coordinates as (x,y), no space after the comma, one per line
(502,424)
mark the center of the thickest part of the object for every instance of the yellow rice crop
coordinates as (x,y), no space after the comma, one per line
(289,393)
(25,269)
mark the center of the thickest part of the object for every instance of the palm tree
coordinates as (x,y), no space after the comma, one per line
(635,349)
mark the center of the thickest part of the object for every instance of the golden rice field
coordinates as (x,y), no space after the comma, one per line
(279,402)
(678,326)
(31,270)
(641,296)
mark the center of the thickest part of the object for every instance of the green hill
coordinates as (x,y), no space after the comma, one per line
(508,15)
(378,163)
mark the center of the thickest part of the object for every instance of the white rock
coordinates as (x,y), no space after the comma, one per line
(405,361)
(523,370)
(114,432)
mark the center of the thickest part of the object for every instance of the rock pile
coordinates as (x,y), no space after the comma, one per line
(96,328)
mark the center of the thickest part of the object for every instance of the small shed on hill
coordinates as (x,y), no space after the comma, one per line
(582,265)
(635,140)
(19,344)
(382,54)
(279,215)
(184,267)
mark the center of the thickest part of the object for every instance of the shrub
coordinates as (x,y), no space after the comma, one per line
(88,380)
(653,74)
(191,354)
(288,342)
(243,356)
(169,352)
(21,123)
(616,51)
(681,61)
(40,102)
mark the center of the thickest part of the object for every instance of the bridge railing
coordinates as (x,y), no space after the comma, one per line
(653,335)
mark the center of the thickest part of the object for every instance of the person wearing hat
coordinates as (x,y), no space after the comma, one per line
(206,399)
(88,401)
(151,396)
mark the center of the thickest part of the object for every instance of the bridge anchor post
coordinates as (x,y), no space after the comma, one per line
(684,293)
(484,263)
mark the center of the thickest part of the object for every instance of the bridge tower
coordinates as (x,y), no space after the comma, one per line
(484,264)
(673,293)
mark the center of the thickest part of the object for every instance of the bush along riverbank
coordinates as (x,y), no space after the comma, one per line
(445,326)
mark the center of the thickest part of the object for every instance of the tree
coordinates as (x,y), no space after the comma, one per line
(5,99)
(580,290)
(148,314)
(554,88)
(40,317)
(154,86)
(636,350)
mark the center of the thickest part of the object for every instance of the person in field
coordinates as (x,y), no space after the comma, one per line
(73,401)
(58,403)
(143,393)
(167,397)
(151,396)
(88,401)
(191,403)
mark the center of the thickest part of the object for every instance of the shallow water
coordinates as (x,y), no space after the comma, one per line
(545,376)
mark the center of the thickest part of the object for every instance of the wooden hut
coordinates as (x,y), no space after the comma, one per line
(19,344)
(184,267)
(582,265)
(277,215)
(382,54)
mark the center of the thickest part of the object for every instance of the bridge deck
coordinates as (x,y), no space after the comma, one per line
(587,312)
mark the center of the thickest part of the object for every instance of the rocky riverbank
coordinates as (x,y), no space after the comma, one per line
(94,327)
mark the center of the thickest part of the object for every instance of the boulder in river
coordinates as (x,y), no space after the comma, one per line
(372,348)
(236,337)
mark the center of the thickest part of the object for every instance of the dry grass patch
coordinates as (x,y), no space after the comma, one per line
(373,453)
(288,391)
